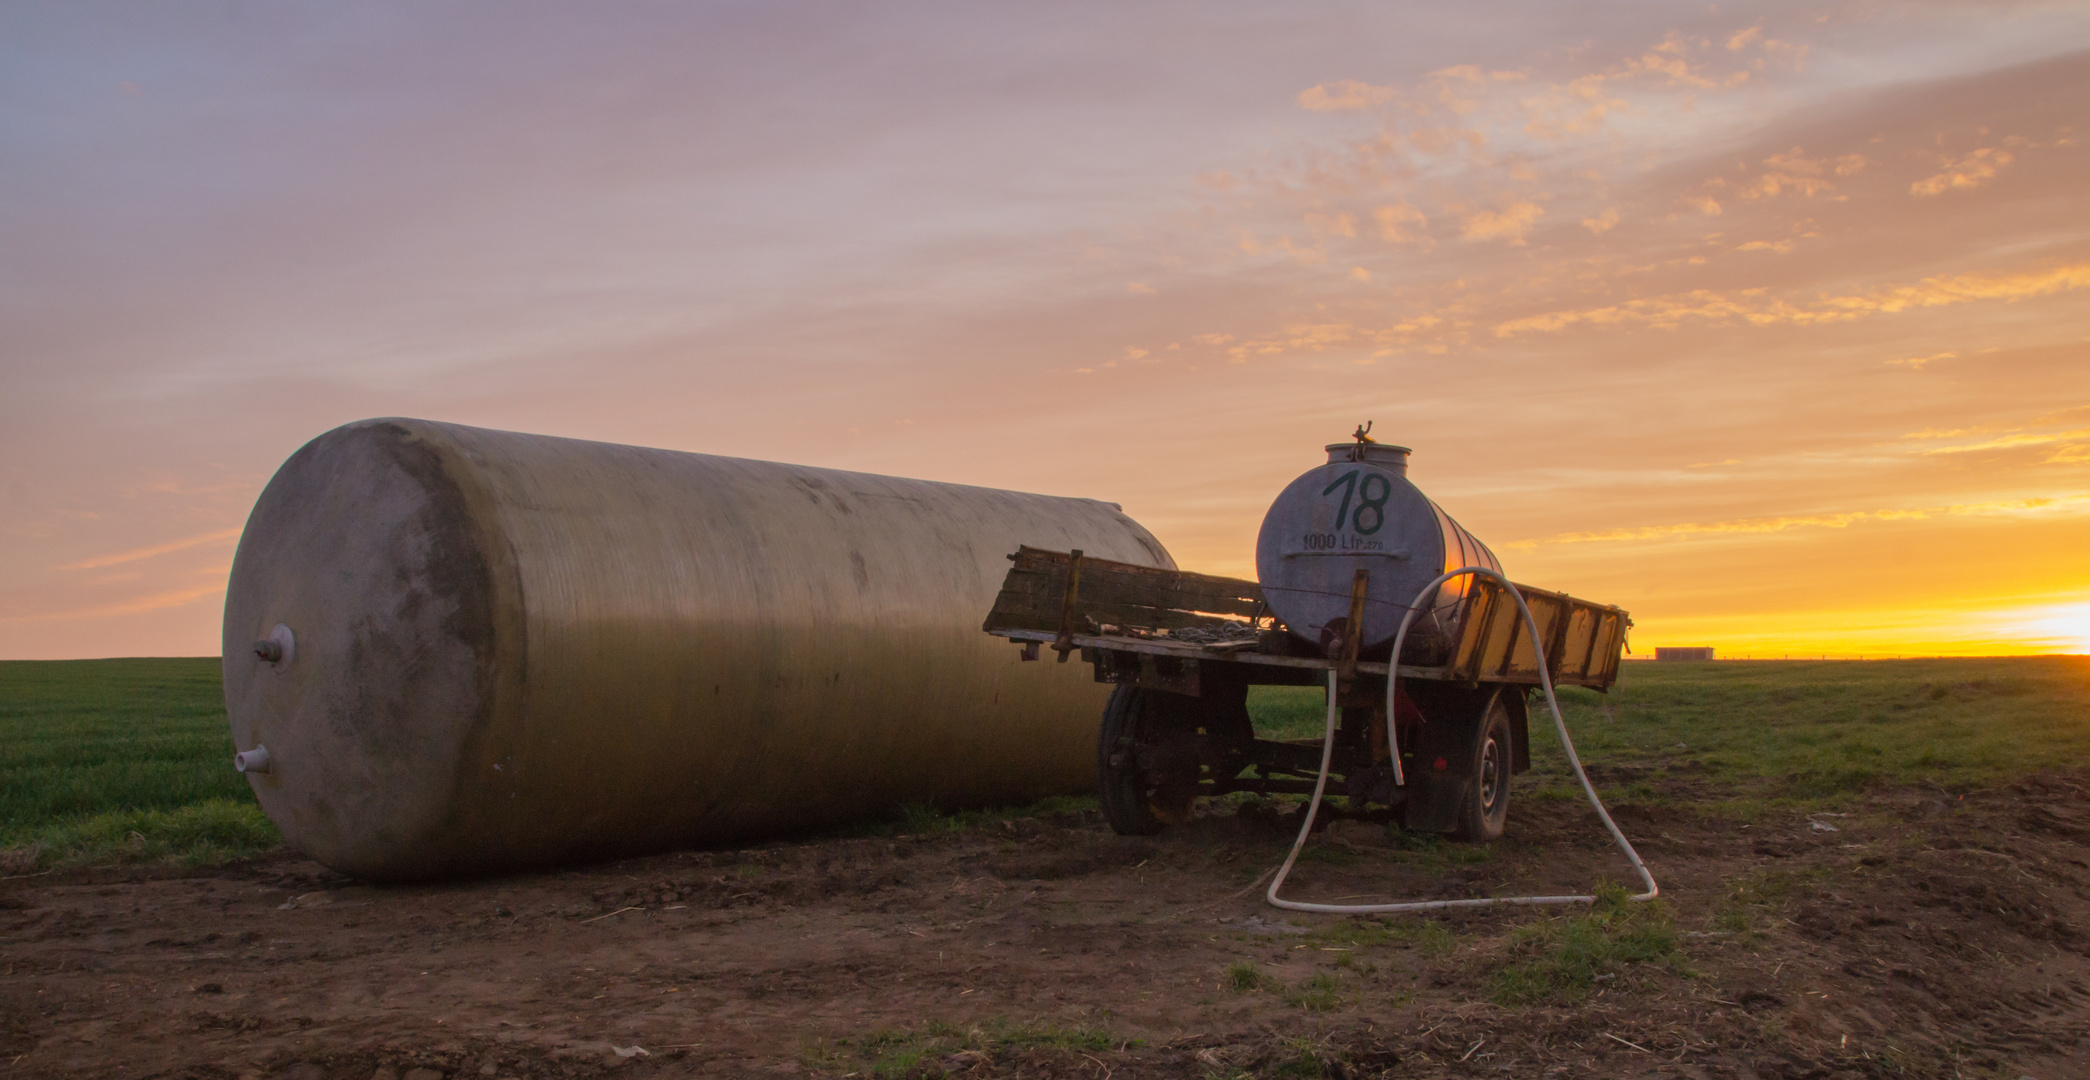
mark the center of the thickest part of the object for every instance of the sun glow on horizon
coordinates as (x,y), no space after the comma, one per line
(2038,629)
(2061,628)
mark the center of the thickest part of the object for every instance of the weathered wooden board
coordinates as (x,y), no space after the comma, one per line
(1122,594)
(1581,641)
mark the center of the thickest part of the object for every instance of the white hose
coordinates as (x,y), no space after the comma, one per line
(1393,743)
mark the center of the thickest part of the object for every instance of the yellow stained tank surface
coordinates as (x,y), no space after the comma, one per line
(467,650)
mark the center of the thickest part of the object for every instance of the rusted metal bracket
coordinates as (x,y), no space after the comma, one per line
(1064,643)
(1353,629)
(1175,674)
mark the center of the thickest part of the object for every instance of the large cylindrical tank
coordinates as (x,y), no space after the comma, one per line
(1359,511)
(494,650)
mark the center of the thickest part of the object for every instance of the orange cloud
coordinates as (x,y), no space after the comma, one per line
(1939,291)
(1756,307)
(1672,59)
(1394,222)
(155,602)
(136,554)
(1512,223)
(1971,171)
(1344,95)
(1791,171)
(1581,105)
(1745,525)
(1304,337)
(2008,441)
(1332,225)
(1572,109)
(1819,521)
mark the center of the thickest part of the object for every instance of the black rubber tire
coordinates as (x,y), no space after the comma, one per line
(1131,805)
(1118,779)
(1484,804)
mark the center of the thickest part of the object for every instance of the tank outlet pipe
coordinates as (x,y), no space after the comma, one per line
(278,649)
(1393,743)
(255,760)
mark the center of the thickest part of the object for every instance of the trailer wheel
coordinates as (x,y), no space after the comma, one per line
(1484,806)
(1133,802)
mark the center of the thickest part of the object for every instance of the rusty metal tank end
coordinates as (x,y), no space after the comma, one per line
(514,650)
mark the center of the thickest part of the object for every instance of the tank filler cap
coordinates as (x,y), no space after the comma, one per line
(252,761)
(1393,459)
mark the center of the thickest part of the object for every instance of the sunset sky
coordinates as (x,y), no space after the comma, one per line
(1769,323)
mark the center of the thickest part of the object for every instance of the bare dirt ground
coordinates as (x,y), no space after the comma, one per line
(1933,935)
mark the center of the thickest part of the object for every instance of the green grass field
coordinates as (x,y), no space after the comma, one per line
(1741,734)
(130,760)
(113,760)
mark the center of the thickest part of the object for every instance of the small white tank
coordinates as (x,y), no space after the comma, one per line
(1359,511)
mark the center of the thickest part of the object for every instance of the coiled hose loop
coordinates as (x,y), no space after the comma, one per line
(1393,743)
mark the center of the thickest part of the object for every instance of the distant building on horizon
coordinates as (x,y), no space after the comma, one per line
(1665,652)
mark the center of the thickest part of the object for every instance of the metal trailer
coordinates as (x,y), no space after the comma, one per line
(1184,648)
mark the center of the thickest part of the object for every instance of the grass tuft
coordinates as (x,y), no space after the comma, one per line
(1321,992)
(1561,961)
(1301,1058)
(1427,936)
